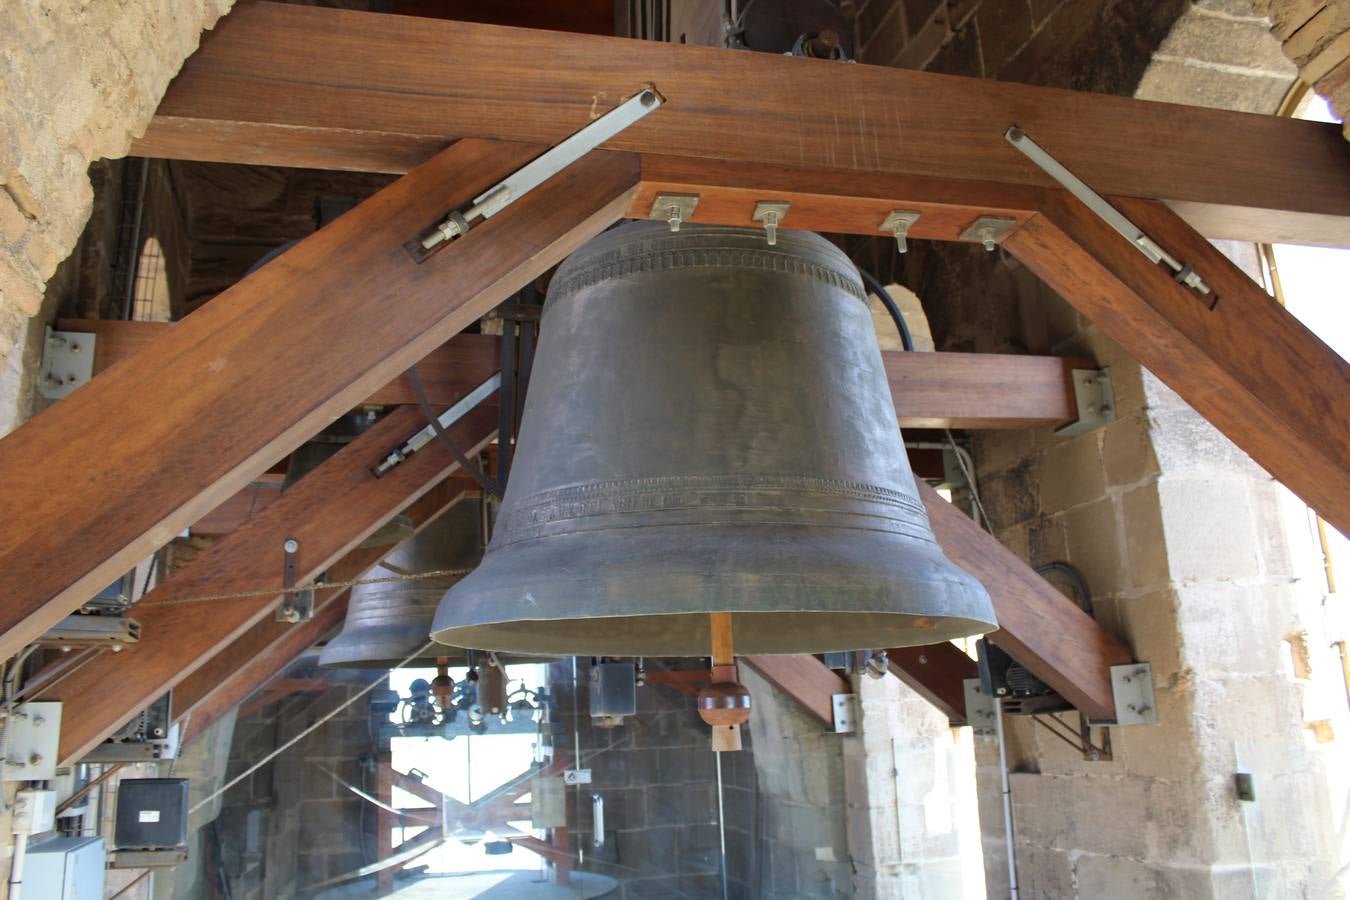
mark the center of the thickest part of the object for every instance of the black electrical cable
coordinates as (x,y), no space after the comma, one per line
(1075,578)
(875,287)
(478,475)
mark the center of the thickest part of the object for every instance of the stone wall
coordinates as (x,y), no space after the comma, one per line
(1316,36)
(1179,535)
(290,824)
(78,81)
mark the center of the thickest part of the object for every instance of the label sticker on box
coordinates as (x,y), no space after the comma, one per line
(149,815)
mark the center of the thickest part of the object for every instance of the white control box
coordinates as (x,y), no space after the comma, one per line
(34,811)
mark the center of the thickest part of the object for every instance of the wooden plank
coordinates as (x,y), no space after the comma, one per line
(108,475)
(330,511)
(981,390)
(936,673)
(1247,365)
(931,390)
(805,679)
(330,88)
(829,201)
(1044,630)
(229,676)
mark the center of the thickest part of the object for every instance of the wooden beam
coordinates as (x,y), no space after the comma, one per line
(937,673)
(389,91)
(1043,630)
(449,372)
(329,511)
(805,679)
(930,390)
(1241,360)
(229,676)
(108,475)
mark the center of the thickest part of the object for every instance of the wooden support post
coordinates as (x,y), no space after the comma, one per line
(1043,630)
(265,650)
(389,91)
(805,679)
(930,390)
(1241,360)
(329,511)
(250,376)
(936,672)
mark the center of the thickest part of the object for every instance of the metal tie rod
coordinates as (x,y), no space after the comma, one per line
(546,165)
(447,418)
(1103,210)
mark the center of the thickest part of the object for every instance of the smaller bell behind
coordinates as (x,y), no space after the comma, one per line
(386,622)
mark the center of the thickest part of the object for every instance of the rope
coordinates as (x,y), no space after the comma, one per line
(312,586)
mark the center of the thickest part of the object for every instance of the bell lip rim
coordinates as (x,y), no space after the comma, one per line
(744,646)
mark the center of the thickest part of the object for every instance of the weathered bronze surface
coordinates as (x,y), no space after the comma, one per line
(387,622)
(709,428)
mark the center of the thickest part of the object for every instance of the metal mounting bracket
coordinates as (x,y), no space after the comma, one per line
(1132,691)
(979,707)
(1095,399)
(988,230)
(898,223)
(675,209)
(32,738)
(67,362)
(299,605)
(845,709)
(771,213)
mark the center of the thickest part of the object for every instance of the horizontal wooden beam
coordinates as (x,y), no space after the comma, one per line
(325,88)
(111,473)
(930,390)
(805,679)
(1041,628)
(1240,359)
(937,673)
(329,512)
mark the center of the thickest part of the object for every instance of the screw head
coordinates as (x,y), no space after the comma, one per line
(291,545)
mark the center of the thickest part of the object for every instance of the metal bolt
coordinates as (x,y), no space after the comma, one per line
(38,720)
(291,545)
(117,648)
(771,227)
(923,658)
(74,348)
(987,238)
(674,218)
(34,759)
(1001,691)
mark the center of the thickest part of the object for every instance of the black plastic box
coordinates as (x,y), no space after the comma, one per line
(151,814)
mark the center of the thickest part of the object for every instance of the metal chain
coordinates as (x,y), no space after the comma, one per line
(313,586)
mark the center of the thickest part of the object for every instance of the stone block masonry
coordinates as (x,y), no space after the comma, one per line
(78,81)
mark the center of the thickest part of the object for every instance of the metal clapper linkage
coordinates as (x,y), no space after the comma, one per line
(1183,273)
(544,166)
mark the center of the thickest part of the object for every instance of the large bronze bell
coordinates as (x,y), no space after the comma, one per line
(386,622)
(709,428)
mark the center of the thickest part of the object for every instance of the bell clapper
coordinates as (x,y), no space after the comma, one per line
(725,703)
(442,686)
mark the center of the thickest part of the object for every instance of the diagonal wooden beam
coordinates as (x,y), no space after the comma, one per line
(389,91)
(108,475)
(1241,360)
(937,673)
(1043,630)
(329,511)
(449,372)
(805,679)
(265,650)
